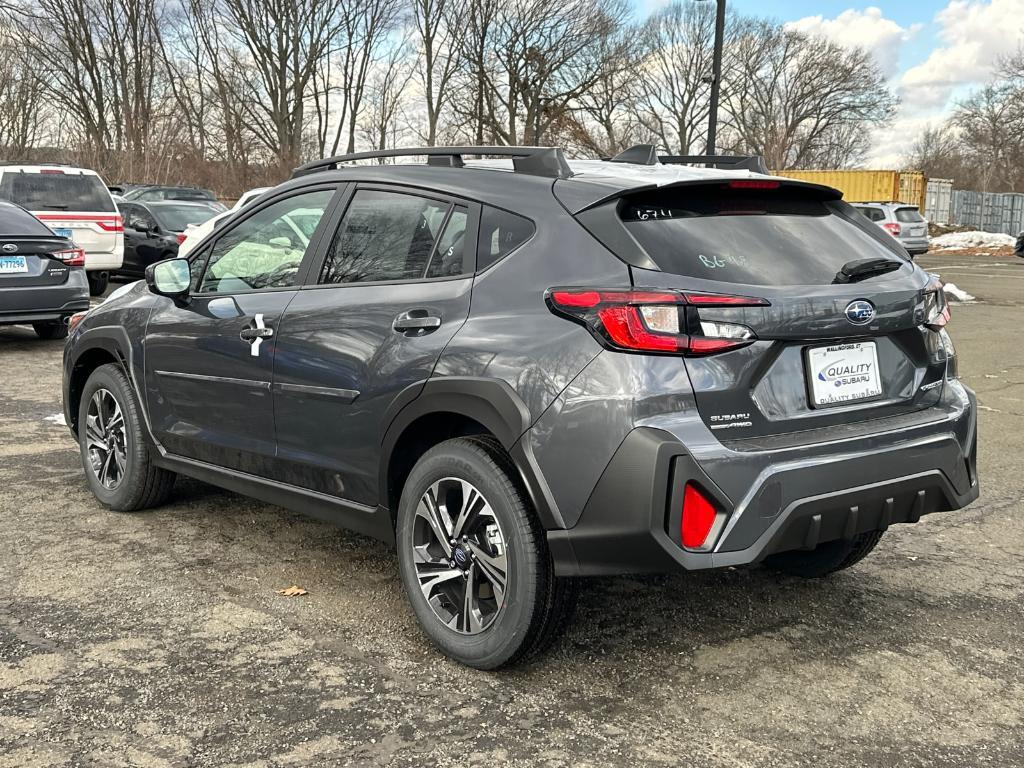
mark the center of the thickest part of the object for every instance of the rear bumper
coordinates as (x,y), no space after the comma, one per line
(915,244)
(631,522)
(101,261)
(30,304)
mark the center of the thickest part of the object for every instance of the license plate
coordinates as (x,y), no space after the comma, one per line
(63,232)
(10,265)
(843,373)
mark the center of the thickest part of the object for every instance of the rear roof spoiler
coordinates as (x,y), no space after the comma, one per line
(647,154)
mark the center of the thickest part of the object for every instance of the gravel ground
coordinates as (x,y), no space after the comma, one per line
(158,639)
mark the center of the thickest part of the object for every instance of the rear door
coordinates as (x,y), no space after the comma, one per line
(393,289)
(829,349)
(73,203)
(912,223)
(209,360)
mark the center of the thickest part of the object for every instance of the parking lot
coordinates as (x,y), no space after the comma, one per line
(159,639)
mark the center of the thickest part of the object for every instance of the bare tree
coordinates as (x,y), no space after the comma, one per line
(675,77)
(800,101)
(439,33)
(386,91)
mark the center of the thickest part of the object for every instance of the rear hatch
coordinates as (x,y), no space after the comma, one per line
(912,223)
(75,204)
(762,262)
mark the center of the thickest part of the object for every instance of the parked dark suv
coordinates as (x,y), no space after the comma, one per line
(529,371)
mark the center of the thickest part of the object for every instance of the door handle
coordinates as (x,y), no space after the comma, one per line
(251,334)
(255,333)
(416,321)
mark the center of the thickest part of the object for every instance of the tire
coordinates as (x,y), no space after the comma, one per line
(536,606)
(827,558)
(51,330)
(134,483)
(98,282)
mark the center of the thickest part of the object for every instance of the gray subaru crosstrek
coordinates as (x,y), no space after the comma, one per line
(525,370)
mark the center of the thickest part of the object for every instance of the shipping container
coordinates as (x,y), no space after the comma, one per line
(870,186)
(938,205)
(989,211)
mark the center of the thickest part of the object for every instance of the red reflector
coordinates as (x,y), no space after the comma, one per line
(626,329)
(75,319)
(698,517)
(723,300)
(701,345)
(753,184)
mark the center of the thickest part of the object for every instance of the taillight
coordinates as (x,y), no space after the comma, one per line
(181,237)
(654,321)
(936,308)
(698,519)
(73,257)
(892,228)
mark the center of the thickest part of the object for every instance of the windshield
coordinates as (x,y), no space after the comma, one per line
(756,237)
(177,217)
(56,191)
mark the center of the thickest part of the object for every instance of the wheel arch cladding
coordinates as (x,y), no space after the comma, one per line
(99,352)
(458,406)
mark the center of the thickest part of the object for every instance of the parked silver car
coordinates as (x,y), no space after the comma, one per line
(902,221)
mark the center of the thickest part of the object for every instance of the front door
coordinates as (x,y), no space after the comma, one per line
(392,291)
(210,359)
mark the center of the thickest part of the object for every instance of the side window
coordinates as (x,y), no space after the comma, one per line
(266,249)
(501,233)
(448,261)
(144,220)
(384,236)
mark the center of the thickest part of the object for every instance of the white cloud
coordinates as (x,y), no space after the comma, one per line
(867,29)
(974,35)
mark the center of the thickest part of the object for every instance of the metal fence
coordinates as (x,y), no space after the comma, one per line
(987,211)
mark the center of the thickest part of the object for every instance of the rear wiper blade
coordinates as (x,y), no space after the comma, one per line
(861,269)
(55,206)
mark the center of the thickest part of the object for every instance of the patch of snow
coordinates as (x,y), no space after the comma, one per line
(958,294)
(972,240)
(57,418)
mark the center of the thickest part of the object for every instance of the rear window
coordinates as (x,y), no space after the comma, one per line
(755,237)
(56,191)
(177,217)
(15,222)
(908,215)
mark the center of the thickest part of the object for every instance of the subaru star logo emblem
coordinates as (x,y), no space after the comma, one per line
(10,247)
(860,312)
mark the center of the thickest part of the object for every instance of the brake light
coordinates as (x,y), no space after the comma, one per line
(892,228)
(51,170)
(753,184)
(665,322)
(112,224)
(73,257)
(936,308)
(698,519)
(181,237)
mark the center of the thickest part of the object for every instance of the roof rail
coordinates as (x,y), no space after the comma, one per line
(647,154)
(535,161)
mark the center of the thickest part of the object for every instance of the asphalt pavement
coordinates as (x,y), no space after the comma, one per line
(159,638)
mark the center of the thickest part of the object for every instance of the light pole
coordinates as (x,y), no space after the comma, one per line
(716,77)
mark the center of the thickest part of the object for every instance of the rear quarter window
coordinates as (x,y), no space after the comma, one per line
(501,233)
(74,192)
(749,236)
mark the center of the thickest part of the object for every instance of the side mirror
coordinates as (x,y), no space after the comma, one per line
(280,242)
(170,277)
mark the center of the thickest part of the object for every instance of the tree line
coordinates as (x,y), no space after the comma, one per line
(981,145)
(234,93)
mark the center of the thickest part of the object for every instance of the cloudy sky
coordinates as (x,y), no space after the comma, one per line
(933,51)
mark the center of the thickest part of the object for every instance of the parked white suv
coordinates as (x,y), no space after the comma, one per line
(902,221)
(74,203)
(194,233)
